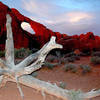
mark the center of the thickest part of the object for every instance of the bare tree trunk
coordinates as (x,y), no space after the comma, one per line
(19,73)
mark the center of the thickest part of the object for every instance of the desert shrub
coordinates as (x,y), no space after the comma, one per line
(59,57)
(76,57)
(28,52)
(33,50)
(19,53)
(51,58)
(70,59)
(74,95)
(62,85)
(49,65)
(85,68)
(66,60)
(95,60)
(97,53)
(34,74)
(71,67)
(22,52)
(74,70)
(58,54)
(84,53)
(63,61)
(2,53)
(70,54)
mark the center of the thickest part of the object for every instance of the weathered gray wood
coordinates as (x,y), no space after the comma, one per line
(41,58)
(36,55)
(55,90)
(43,86)
(9,54)
(91,94)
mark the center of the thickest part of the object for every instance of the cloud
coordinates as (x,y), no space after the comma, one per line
(51,13)
(60,18)
(78,16)
(38,8)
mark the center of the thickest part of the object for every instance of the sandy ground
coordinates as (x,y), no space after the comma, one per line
(73,81)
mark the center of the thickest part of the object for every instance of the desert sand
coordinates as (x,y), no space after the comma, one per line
(75,81)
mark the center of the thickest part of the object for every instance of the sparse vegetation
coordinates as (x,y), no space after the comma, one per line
(2,53)
(76,57)
(71,67)
(50,65)
(51,58)
(84,53)
(95,60)
(85,68)
(22,52)
(19,53)
(97,53)
(34,74)
(70,54)
(71,57)
(59,56)
(63,60)
(62,85)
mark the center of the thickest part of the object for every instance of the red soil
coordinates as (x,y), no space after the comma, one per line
(73,81)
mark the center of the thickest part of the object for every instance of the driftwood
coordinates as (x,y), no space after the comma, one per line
(20,73)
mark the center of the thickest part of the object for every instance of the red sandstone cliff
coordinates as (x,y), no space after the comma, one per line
(22,38)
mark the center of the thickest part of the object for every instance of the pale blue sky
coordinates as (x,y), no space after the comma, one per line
(65,16)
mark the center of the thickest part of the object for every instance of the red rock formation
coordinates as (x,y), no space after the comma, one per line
(22,38)
(83,42)
(42,33)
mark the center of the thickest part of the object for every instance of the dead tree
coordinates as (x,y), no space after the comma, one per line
(20,73)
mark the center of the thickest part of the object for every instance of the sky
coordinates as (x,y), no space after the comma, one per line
(64,16)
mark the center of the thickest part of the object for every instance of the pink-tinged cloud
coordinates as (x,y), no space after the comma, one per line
(78,16)
(61,19)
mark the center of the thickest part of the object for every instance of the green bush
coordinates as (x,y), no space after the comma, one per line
(34,74)
(71,67)
(22,52)
(19,53)
(2,53)
(84,53)
(95,60)
(71,59)
(70,54)
(76,57)
(97,53)
(51,58)
(49,65)
(63,61)
(85,68)
(62,85)
(58,54)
